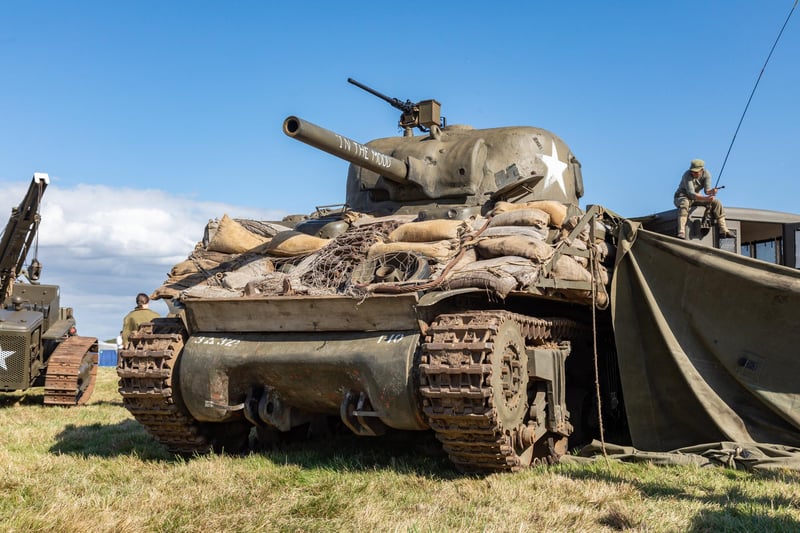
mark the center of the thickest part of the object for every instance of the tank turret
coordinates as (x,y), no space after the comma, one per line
(450,166)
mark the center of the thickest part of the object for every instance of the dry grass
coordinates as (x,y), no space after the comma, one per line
(96,469)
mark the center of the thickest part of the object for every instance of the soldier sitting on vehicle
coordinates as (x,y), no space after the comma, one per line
(687,196)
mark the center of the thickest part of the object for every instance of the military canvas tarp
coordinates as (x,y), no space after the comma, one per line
(708,344)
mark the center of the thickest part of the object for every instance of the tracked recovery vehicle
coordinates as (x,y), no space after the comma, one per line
(38,341)
(457,290)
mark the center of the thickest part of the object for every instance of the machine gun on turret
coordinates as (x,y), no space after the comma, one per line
(422,115)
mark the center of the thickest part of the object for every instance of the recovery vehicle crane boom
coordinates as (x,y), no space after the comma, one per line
(38,341)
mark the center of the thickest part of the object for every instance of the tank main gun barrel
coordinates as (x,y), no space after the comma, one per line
(347,149)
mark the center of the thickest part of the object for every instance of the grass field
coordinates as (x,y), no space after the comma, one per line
(94,468)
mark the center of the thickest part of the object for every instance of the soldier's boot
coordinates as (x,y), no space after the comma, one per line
(682,218)
(722,226)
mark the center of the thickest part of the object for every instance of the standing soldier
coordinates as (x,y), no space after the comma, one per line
(694,180)
(141,315)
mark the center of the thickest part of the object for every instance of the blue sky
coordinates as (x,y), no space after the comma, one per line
(152,117)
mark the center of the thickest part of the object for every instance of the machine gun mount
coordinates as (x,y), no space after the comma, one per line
(424,115)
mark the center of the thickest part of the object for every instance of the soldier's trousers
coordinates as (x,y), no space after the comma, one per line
(715,206)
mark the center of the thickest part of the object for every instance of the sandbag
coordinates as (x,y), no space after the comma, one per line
(165,292)
(521,217)
(517,245)
(232,238)
(524,231)
(441,251)
(292,243)
(477,223)
(210,291)
(580,245)
(192,266)
(498,284)
(246,273)
(429,231)
(210,255)
(274,283)
(522,269)
(570,224)
(176,285)
(262,228)
(467,258)
(567,268)
(556,210)
(606,252)
(500,275)
(369,219)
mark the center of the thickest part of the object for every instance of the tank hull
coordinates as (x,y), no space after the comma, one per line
(309,372)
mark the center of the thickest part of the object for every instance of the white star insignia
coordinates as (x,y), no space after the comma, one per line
(555,169)
(5,354)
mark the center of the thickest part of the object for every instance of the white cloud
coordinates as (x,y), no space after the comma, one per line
(102,245)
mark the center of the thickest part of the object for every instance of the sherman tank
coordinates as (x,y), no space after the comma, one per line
(459,289)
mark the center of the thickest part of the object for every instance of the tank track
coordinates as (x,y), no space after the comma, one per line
(455,384)
(146,368)
(71,372)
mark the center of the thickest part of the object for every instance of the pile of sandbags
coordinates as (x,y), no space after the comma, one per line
(293,243)
(501,275)
(510,250)
(228,256)
(604,251)
(437,240)
(229,237)
(505,252)
(246,257)
(226,274)
(518,245)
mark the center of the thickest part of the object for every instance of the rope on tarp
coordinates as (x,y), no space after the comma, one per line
(593,268)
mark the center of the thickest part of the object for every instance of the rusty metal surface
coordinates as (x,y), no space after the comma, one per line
(71,372)
(462,358)
(302,313)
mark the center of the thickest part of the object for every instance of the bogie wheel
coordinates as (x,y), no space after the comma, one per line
(476,395)
(509,376)
(475,389)
(509,383)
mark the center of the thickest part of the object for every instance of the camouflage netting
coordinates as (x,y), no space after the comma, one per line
(508,251)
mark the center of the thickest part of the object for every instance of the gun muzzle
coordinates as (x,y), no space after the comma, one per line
(347,149)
